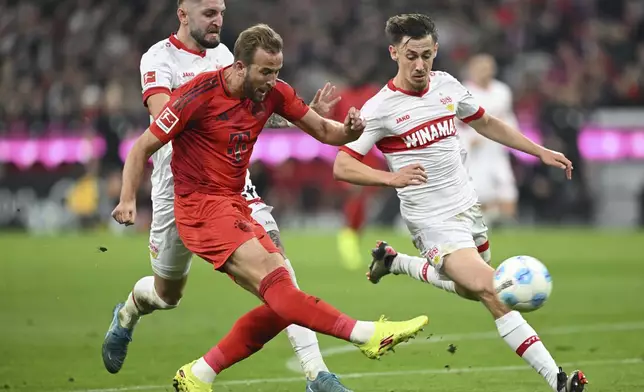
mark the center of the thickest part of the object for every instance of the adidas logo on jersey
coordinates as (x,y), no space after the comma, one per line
(430,133)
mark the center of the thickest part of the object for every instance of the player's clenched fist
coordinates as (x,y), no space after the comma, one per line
(413,174)
(125,212)
(354,124)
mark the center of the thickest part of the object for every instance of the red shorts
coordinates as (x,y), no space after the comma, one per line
(213,227)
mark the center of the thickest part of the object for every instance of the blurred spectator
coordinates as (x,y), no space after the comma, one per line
(72,66)
(69,61)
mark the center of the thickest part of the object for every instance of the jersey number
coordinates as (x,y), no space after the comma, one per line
(237,144)
(249,192)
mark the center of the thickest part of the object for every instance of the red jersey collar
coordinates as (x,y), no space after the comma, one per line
(393,87)
(180,45)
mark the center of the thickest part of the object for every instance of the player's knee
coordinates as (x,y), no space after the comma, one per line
(483,289)
(486,294)
(464,293)
(170,297)
(273,261)
(480,286)
(168,292)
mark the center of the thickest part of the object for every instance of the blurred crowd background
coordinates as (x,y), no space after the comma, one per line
(71,67)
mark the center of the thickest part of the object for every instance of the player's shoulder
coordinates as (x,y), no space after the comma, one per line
(221,55)
(442,78)
(160,51)
(376,105)
(282,90)
(205,82)
(283,85)
(221,52)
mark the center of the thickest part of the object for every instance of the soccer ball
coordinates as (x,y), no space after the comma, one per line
(523,283)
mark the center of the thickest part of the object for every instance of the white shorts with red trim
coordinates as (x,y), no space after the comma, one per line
(465,230)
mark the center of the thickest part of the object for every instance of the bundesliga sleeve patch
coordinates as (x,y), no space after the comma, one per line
(167,120)
(149,77)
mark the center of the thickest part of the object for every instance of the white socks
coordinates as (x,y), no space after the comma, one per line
(203,371)
(142,300)
(362,332)
(520,336)
(305,343)
(420,269)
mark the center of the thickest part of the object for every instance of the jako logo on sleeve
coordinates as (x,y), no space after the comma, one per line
(167,120)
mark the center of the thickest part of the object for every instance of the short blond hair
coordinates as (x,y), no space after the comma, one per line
(260,36)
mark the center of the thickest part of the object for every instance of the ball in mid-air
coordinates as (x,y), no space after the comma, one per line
(523,283)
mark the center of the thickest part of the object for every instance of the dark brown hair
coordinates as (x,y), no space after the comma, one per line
(260,36)
(414,26)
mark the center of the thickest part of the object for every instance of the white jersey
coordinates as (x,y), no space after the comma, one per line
(164,67)
(498,103)
(420,128)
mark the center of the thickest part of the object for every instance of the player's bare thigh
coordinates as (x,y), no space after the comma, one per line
(250,263)
(262,215)
(459,241)
(277,240)
(468,270)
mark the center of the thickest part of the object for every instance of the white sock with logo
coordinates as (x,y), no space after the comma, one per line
(420,269)
(520,336)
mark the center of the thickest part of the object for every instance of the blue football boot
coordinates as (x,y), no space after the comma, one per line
(326,382)
(115,343)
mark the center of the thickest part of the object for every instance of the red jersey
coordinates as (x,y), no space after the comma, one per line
(213,133)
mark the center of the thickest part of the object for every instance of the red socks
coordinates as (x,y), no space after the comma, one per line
(299,308)
(285,305)
(248,335)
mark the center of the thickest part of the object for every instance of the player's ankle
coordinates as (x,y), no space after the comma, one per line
(362,332)
(129,315)
(313,366)
(203,371)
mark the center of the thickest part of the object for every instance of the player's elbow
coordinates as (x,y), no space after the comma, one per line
(146,145)
(333,134)
(485,125)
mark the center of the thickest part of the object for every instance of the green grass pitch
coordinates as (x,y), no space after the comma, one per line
(56,296)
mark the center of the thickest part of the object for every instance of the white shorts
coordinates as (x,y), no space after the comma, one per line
(465,230)
(170,259)
(493,179)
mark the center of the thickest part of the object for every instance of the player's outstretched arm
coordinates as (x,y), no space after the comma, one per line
(323,103)
(332,132)
(146,145)
(349,169)
(156,102)
(495,129)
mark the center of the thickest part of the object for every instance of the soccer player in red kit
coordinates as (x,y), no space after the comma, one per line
(213,122)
